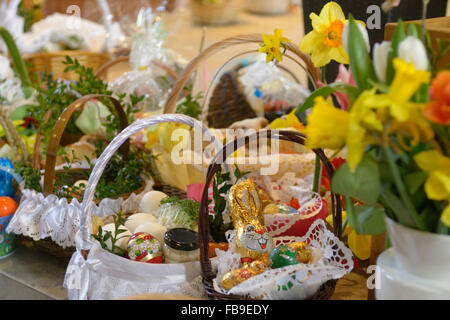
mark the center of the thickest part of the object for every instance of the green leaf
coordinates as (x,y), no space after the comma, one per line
(399,36)
(414,181)
(370,220)
(20,113)
(325,91)
(363,184)
(19,64)
(359,56)
(108,235)
(413,30)
(391,201)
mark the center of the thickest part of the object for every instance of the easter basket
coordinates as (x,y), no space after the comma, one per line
(46,62)
(49,222)
(94,273)
(299,281)
(228,103)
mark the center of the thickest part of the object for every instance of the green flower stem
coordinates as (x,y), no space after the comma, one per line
(424,17)
(19,64)
(402,189)
(317,174)
(323,74)
(317,166)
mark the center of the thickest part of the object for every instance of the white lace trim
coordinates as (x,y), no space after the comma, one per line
(40,217)
(331,260)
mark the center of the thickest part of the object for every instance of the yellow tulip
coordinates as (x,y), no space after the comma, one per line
(437,185)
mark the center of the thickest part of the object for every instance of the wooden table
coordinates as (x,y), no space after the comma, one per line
(31,274)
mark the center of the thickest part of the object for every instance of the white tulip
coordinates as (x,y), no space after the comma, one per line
(345,35)
(413,51)
(380,58)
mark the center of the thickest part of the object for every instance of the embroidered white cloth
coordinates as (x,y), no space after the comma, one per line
(105,276)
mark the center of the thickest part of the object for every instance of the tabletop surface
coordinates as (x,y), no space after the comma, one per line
(32,274)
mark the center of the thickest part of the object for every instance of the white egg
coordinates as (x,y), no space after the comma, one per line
(79,182)
(153,228)
(137,219)
(150,201)
(122,242)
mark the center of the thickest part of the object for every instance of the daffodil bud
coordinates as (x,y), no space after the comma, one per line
(345,36)
(413,51)
(380,58)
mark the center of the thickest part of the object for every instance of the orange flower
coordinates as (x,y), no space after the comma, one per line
(438,109)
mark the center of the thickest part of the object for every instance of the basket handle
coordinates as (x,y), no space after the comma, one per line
(104,68)
(58,129)
(226,43)
(203,222)
(102,161)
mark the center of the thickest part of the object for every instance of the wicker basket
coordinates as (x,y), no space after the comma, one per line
(221,13)
(46,62)
(327,289)
(227,103)
(47,244)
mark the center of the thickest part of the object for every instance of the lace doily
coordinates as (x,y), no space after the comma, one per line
(40,217)
(333,261)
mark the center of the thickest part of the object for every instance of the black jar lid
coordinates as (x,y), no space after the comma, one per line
(182,239)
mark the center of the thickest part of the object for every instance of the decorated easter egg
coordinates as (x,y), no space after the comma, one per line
(7,206)
(150,201)
(144,247)
(283,256)
(137,219)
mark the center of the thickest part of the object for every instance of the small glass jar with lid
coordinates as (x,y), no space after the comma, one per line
(181,245)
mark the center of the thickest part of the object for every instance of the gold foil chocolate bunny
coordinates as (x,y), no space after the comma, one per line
(245,206)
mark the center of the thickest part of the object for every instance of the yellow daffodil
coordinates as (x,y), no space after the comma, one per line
(272,45)
(324,42)
(360,244)
(408,120)
(437,185)
(291,121)
(407,81)
(329,127)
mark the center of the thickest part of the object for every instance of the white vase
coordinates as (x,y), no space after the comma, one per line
(416,267)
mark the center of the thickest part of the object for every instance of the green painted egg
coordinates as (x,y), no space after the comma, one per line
(283,256)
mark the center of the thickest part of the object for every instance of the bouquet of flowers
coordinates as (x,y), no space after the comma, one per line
(393,122)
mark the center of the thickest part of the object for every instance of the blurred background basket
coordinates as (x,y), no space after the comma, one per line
(45,62)
(220,13)
(228,103)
